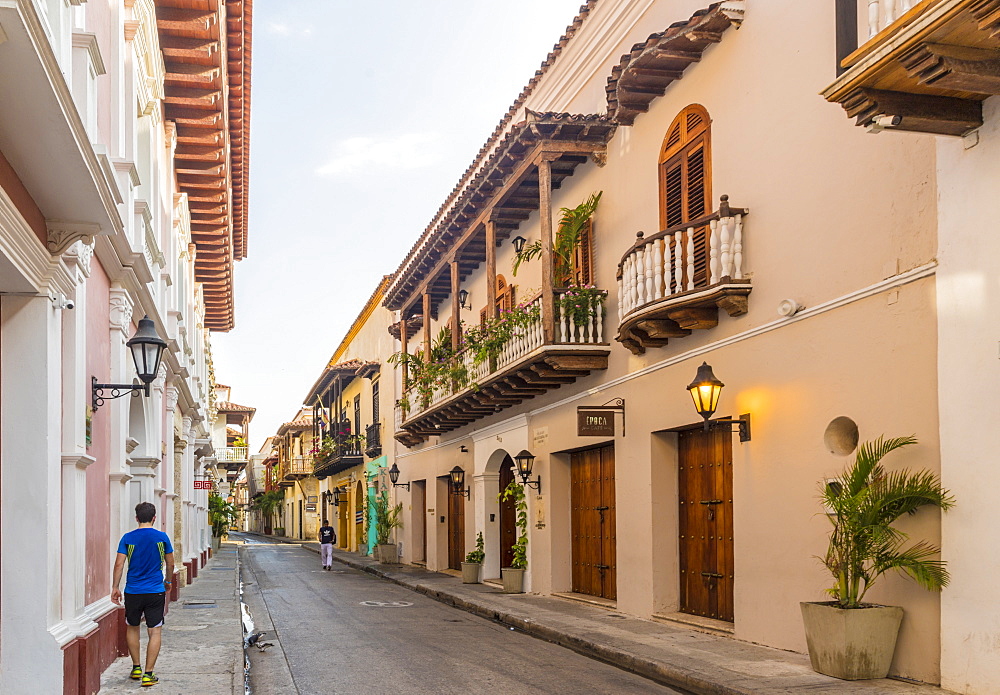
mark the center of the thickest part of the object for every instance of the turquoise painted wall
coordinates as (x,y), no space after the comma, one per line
(371,470)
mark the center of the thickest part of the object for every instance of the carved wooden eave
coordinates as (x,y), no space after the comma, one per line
(506,187)
(413,324)
(928,72)
(344,370)
(651,66)
(206,47)
(537,373)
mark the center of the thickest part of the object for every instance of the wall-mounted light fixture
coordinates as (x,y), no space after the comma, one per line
(525,460)
(458,482)
(705,391)
(147,350)
(464,449)
(518,242)
(463,299)
(394,476)
(337,496)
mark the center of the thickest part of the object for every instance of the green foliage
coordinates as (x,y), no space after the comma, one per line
(568,236)
(579,303)
(387,517)
(221,515)
(515,491)
(269,503)
(487,340)
(479,554)
(863,503)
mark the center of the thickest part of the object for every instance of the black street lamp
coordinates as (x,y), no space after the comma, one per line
(525,460)
(518,242)
(463,299)
(705,391)
(394,477)
(458,482)
(147,348)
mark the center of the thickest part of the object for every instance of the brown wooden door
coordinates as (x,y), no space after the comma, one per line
(592,484)
(420,489)
(456,530)
(508,515)
(706,522)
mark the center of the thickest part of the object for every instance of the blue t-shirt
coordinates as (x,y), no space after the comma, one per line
(145,548)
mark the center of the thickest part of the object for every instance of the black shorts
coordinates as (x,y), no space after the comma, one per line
(150,605)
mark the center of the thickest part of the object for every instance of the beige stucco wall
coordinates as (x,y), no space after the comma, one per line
(833,213)
(968,302)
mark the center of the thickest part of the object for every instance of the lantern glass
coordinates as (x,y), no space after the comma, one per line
(518,243)
(457,479)
(525,460)
(394,474)
(147,350)
(705,391)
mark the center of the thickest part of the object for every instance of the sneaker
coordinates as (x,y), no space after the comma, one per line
(149,679)
(136,673)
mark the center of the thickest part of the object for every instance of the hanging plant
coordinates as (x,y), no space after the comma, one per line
(515,491)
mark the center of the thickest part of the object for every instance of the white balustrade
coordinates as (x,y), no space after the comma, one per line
(590,331)
(881,13)
(665,265)
(232,454)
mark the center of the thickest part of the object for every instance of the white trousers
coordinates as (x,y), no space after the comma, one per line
(326,553)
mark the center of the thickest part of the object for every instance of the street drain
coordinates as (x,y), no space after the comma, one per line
(386,604)
(198,604)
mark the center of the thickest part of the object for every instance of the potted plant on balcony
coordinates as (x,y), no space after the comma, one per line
(513,576)
(474,562)
(579,304)
(848,638)
(387,518)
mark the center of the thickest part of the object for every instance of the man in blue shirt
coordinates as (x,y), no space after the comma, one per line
(146,549)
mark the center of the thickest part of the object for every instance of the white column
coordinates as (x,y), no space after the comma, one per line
(122,518)
(484,489)
(168,466)
(31,480)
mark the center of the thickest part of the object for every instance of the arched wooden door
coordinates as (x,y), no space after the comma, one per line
(508,515)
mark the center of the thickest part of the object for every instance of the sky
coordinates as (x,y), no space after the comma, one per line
(364,116)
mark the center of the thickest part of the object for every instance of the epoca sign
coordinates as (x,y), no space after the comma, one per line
(595,423)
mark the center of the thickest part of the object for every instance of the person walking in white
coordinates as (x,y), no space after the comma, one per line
(327,537)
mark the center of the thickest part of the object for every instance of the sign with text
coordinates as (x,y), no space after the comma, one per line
(595,423)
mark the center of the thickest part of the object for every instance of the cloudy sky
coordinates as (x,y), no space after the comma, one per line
(365,115)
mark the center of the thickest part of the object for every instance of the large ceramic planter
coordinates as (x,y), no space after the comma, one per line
(513,580)
(853,644)
(470,572)
(387,554)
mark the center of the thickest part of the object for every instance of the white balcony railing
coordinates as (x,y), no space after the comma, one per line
(232,454)
(876,15)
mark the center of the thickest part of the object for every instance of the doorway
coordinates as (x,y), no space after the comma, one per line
(508,515)
(359,513)
(419,517)
(456,530)
(705,485)
(592,492)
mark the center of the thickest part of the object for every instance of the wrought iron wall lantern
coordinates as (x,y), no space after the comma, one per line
(337,495)
(394,476)
(518,242)
(458,483)
(147,348)
(525,460)
(705,391)
(463,299)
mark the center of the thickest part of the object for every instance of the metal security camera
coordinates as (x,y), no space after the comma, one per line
(61,302)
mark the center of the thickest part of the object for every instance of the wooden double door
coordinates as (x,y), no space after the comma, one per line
(592,496)
(705,476)
(456,529)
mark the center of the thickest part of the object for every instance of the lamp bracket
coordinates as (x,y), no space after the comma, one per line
(742,425)
(97,397)
(467,492)
(406,485)
(536,484)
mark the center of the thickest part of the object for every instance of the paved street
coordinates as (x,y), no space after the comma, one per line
(328,641)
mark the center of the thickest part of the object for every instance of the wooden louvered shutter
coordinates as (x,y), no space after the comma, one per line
(685,181)
(583,256)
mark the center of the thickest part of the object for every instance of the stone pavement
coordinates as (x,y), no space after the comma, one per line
(671,654)
(202,648)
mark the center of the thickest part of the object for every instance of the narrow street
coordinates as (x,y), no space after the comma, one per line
(346,631)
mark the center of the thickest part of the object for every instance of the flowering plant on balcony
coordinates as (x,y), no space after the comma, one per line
(324,449)
(487,340)
(441,372)
(580,303)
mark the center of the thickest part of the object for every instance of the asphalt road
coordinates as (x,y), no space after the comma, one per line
(346,631)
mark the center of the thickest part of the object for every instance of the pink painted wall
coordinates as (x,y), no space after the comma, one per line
(98,489)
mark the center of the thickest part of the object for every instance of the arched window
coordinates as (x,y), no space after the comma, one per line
(685,168)
(505,299)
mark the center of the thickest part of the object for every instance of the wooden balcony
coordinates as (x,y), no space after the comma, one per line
(675,281)
(373,440)
(295,468)
(346,454)
(918,66)
(529,365)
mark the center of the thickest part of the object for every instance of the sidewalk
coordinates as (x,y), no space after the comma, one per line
(202,637)
(674,655)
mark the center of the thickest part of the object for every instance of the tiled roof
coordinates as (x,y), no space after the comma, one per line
(303,424)
(227,407)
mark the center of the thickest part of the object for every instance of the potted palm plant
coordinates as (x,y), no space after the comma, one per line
(513,576)
(848,638)
(474,562)
(387,518)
